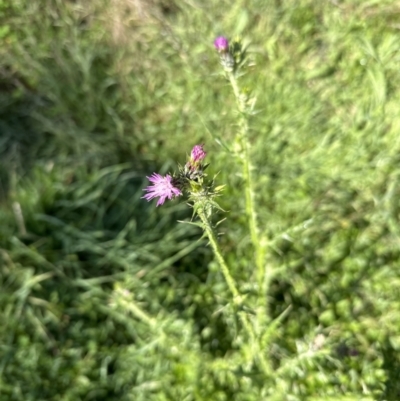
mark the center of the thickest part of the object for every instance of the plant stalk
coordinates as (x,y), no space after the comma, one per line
(209,229)
(237,297)
(248,183)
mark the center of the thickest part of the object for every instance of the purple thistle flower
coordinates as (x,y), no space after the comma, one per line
(198,153)
(221,44)
(162,187)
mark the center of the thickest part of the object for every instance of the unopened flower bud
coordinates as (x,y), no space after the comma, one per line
(221,44)
(198,153)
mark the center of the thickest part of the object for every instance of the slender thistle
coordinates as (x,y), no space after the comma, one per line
(232,59)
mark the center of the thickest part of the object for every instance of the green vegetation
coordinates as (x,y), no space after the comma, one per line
(104,296)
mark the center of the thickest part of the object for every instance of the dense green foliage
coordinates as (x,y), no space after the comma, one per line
(105,297)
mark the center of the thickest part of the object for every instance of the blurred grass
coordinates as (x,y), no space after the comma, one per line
(103,296)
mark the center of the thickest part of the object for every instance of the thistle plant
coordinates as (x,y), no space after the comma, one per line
(192,179)
(270,367)
(202,193)
(233,60)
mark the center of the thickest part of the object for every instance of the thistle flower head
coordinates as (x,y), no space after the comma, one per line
(198,153)
(162,187)
(221,44)
(194,166)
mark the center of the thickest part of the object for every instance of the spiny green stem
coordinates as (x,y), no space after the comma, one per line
(236,91)
(214,244)
(249,192)
(237,297)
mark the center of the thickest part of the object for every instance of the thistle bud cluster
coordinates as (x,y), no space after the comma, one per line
(232,55)
(189,178)
(192,173)
(194,165)
(222,46)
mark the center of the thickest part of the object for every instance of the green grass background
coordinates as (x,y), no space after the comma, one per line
(105,297)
